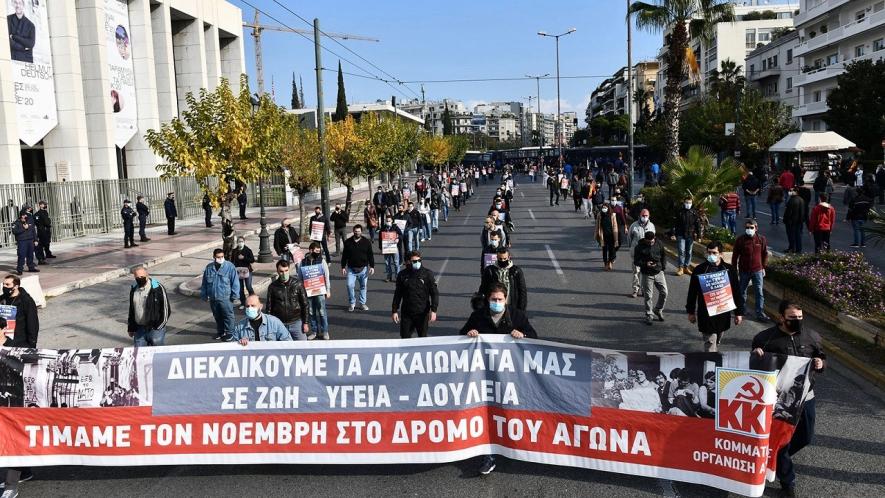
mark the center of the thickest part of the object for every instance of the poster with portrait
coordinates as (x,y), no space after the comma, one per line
(32,74)
(122,74)
(8,312)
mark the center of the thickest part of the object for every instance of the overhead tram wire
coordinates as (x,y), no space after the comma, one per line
(309,39)
(393,78)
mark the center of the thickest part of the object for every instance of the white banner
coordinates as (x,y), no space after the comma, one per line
(32,69)
(122,73)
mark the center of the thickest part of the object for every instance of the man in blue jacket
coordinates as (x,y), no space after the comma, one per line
(26,237)
(258,326)
(220,287)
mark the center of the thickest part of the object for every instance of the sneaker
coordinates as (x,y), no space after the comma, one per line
(34,270)
(687,270)
(350,308)
(133,245)
(9,493)
(761,317)
(327,336)
(648,320)
(660,315)
(311,336)
(634,295)
(52,256)
(364,307)
(854,245)
(680,272)
(26,476)
(487,466)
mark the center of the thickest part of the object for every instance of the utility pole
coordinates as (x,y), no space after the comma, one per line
(257,29)
(630,161)
(527,139)
(557,130)
(321,119)
(540,118)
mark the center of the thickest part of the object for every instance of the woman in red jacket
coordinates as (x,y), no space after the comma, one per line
(820,223)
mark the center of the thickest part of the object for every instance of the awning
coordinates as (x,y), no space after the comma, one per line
(812,141)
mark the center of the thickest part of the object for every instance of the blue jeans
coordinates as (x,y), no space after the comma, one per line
(295,331)
(802,437)
(414,244)
(750,201)
(245,284)
(445,212)
(730,218)
(775,212)
(434,219)
(860,237)
(352,278)
(758,289)
(391,265)
(149,337)
(223,312)
(683,246)
(319,321)
(426,227)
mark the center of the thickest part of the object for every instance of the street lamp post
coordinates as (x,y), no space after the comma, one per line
(631,164)
(540,124)
(558,122)
(264,254)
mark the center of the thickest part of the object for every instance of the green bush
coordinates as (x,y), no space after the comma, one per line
(661,206)
(721,234)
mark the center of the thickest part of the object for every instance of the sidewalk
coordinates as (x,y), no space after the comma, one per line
(95,259)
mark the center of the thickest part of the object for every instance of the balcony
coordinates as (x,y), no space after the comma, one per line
(820,74)
(820,9)
(835,35)
(810,108)
(765,73)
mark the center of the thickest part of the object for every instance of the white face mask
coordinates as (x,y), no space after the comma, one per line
(241,245)
(750,231)
(219,260)
(687,205)
(644,219)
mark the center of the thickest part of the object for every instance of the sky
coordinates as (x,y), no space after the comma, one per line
(428,41)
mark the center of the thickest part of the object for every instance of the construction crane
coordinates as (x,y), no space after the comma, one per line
(257,28)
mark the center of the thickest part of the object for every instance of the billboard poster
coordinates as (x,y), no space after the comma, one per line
(32,73)
(8,312)
(121,71)
(716,419)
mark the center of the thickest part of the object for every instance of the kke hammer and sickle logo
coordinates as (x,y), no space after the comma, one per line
(751,391)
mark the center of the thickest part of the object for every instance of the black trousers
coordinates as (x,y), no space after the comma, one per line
(128,233)
(242,211)
(208,217)
(418,322)
(552,193)
(170,224)
(42,250)
(142,222)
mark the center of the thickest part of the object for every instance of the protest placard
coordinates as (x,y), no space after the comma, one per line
(389,243)
(716,289)
(314,279)
(317,230)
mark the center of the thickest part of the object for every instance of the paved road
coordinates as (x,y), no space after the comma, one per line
(582,305)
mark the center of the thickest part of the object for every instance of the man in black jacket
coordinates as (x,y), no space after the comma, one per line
(357,263)
(149,310)
(207,210)
(416,296)
(795,217)
(649,256)
(171,212)
(686,229)
(26,237)
(22,33)
(713,326)
(287,300)
(282,237)
(143,211)
(27,324)
(789,337)
(242,200)
(44,232)
(510,276)
(380,201)
(339,221)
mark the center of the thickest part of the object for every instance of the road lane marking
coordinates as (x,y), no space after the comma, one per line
(553,260)
(466,219)
(521,194)
(441,270)
(532,214)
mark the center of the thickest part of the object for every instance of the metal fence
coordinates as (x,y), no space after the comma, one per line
(93,207)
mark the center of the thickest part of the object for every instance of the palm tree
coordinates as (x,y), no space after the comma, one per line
(697,175)
(683,18)
(727,82)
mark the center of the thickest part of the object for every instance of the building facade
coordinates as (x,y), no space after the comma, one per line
(773,68)
(610,97)
(98,75)
(831,35)
(754,25)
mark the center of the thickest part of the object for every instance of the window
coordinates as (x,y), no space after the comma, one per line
(815,126)
(878,7)
(816,96)
(878,44)
(751,38)
(774,61)
(789,85)
(860,15)
(775,86)
(764,36)
(858,51)
(764,64)
(752,68)
(789,56)
(832,59)
(818,63)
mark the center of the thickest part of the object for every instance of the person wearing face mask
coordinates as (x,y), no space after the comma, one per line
(413,229)
(26,239)
(636,233)
(497,317)
(221,285)
(206,204)
(149,310)
(772,346)
(379,200)
(391,260)
(318,216)
(435,202)
(713,327)
(287,300)
(370,218)
(795,217)
(490,251)
(509,275)
(171,213)
(607,231)
(242,257)
(357,264)
(339,219)
(686,229)
(143,212)
(821,222)
(128,214)
(44,232)
(284,236)
(258,326)
(415,299)
(489,228)
(649,256)
(319,322)
(749,256)
(424,212)
(27,323)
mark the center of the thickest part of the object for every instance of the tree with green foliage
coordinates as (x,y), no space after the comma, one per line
(341,104)
(696,174)
(581,138)
(458,145)
(219,137)
(301,156)
(599,128)
(448,128)
(762,123)
(857,105)
(704,124)
(345,149)
(695,18)
(296,104)
(727,83)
